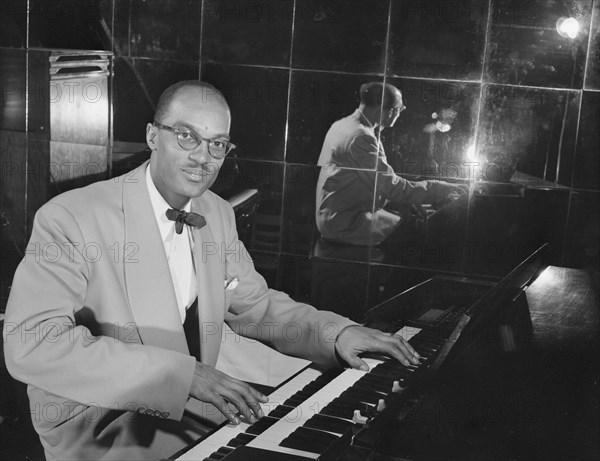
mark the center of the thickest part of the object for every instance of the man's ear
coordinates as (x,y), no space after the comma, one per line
(151,136)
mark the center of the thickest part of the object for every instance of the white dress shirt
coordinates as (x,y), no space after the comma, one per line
(178,248)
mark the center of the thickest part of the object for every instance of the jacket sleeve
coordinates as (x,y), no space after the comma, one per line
(46,348)
(272,317)
(365,154)
(399,190)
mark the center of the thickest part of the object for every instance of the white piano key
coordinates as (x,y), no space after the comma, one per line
(284,392)
(213,442)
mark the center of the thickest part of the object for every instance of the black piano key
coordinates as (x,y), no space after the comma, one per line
(308,439)
(431,336)
(297,398)
(396,373)
(428,339)
(311,388)
(378,383)
(426,346)
(368,395)
(343,402)
(380,370)
(224,450)
(397,368)
(261,425)
(246,453)
(294,401)
(347,411)
(280,411)
(348,405)
(425,342)
(317,383)
(324,379)
(344,408)
(371,387)
(327,423)
(338,412)
(304,393)
(424,353)
(219,454)
(389,364)
(373,374)
(364,384)
(358,396)
(240,439)
(384,387)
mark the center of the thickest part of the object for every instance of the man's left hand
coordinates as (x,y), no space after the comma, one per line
(356,339)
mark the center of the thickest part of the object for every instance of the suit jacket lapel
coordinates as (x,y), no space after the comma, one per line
(147,278)
(211,295)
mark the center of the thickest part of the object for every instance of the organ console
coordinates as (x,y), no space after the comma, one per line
(341,414)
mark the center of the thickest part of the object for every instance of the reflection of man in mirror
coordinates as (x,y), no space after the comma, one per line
(356,183)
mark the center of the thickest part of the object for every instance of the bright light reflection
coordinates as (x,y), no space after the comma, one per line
(546,278)
(567,27)
(443,127)
(471,152)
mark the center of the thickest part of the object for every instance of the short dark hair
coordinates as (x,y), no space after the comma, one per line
(376,93)
(164,102)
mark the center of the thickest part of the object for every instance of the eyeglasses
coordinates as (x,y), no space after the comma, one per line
(187,140)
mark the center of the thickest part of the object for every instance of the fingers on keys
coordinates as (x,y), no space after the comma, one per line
(245,401)
(400,349)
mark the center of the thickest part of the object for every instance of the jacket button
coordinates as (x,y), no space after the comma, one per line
(166,414)
(149,412)
(157,413)
(141,410)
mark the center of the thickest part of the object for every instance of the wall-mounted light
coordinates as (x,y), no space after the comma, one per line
(442,127)
(444,119)
(567,27)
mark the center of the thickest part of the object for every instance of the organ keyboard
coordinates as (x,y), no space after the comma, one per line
(337,414)
(312,413)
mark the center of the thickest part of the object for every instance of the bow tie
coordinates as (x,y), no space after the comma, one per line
(183,217)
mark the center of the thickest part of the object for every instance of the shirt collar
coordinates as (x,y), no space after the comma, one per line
(160,207)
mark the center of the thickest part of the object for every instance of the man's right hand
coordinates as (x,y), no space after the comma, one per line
(212,386)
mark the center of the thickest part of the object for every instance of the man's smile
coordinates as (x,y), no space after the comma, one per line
(195,174)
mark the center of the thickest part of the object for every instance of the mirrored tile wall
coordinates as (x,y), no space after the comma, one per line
(522,95)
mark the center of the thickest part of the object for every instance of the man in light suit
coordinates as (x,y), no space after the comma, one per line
(100,306)
(356,183)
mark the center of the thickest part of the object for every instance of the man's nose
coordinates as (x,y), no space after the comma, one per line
(200,153)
